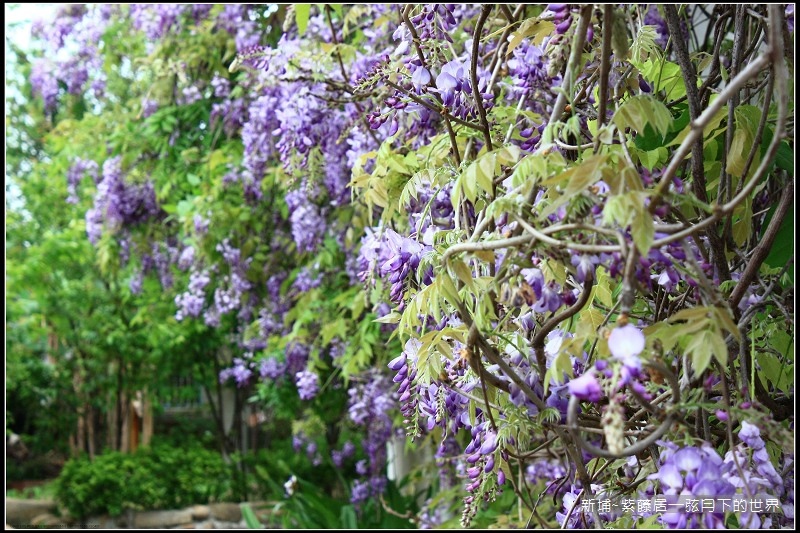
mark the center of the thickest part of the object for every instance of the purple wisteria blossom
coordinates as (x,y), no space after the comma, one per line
(586,387)
(307,384)
(625,344)
(79,169)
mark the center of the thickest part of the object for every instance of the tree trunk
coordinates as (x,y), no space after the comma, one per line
(112,421)
(147,419)
(80,436)
(124,441)
(90,427)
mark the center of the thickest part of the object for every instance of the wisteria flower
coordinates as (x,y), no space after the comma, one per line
(420,78)
(586,387)
(307,385)
(626,343)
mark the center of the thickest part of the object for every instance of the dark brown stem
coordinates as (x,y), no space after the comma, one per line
(724,193)
(762,250)
(698,172)
(507,14)
(541,335)
(431,107)
(690,81)
(370,131)
(447,118)
(755,148)
(605,65)
(473,72)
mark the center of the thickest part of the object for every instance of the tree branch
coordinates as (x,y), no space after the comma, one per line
(473,72)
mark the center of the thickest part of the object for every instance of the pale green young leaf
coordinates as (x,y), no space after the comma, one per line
(603,289)
(691,314)
(589,322)
(700,351)
(484,172)
(301,14)
(532,27)
(413,186)
(743,221)
(725,320)
(644,43)
(718,346)
(639,111)
(740,148)
(667,334)
(463,273)
(392,318)
(642,227)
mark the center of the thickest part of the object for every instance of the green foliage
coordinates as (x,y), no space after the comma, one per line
(641,111)
(309,508)
(159,477)
(46,491)
(250,518)
(699,332)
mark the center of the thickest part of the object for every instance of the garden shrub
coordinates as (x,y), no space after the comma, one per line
(158,477)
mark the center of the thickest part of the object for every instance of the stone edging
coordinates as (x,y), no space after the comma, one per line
(41,513)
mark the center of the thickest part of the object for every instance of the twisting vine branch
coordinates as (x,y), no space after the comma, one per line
(473,73)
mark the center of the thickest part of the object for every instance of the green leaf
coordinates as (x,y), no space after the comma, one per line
(667,334)
(184,208)
(337,8)
(463,273)
(603,290)
(250,517)
(617,210)
(466,185)
(644,43)
(743,221)
(785,157)
(215,159)
(664,76)
(649,139)
(485,172)
(692,314)
(725,320)
(562,365)
(508,155)
(589,322)
(740,149)
(642,227)
(639,111)
(532,27)
(301,14)
(335,328)
(391,318)
(774,371)
(448,289)
(578,179)
(718,346)
(700,351)
(348,517)
(414,185)
(709,131)
(783,247)
(651,159)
